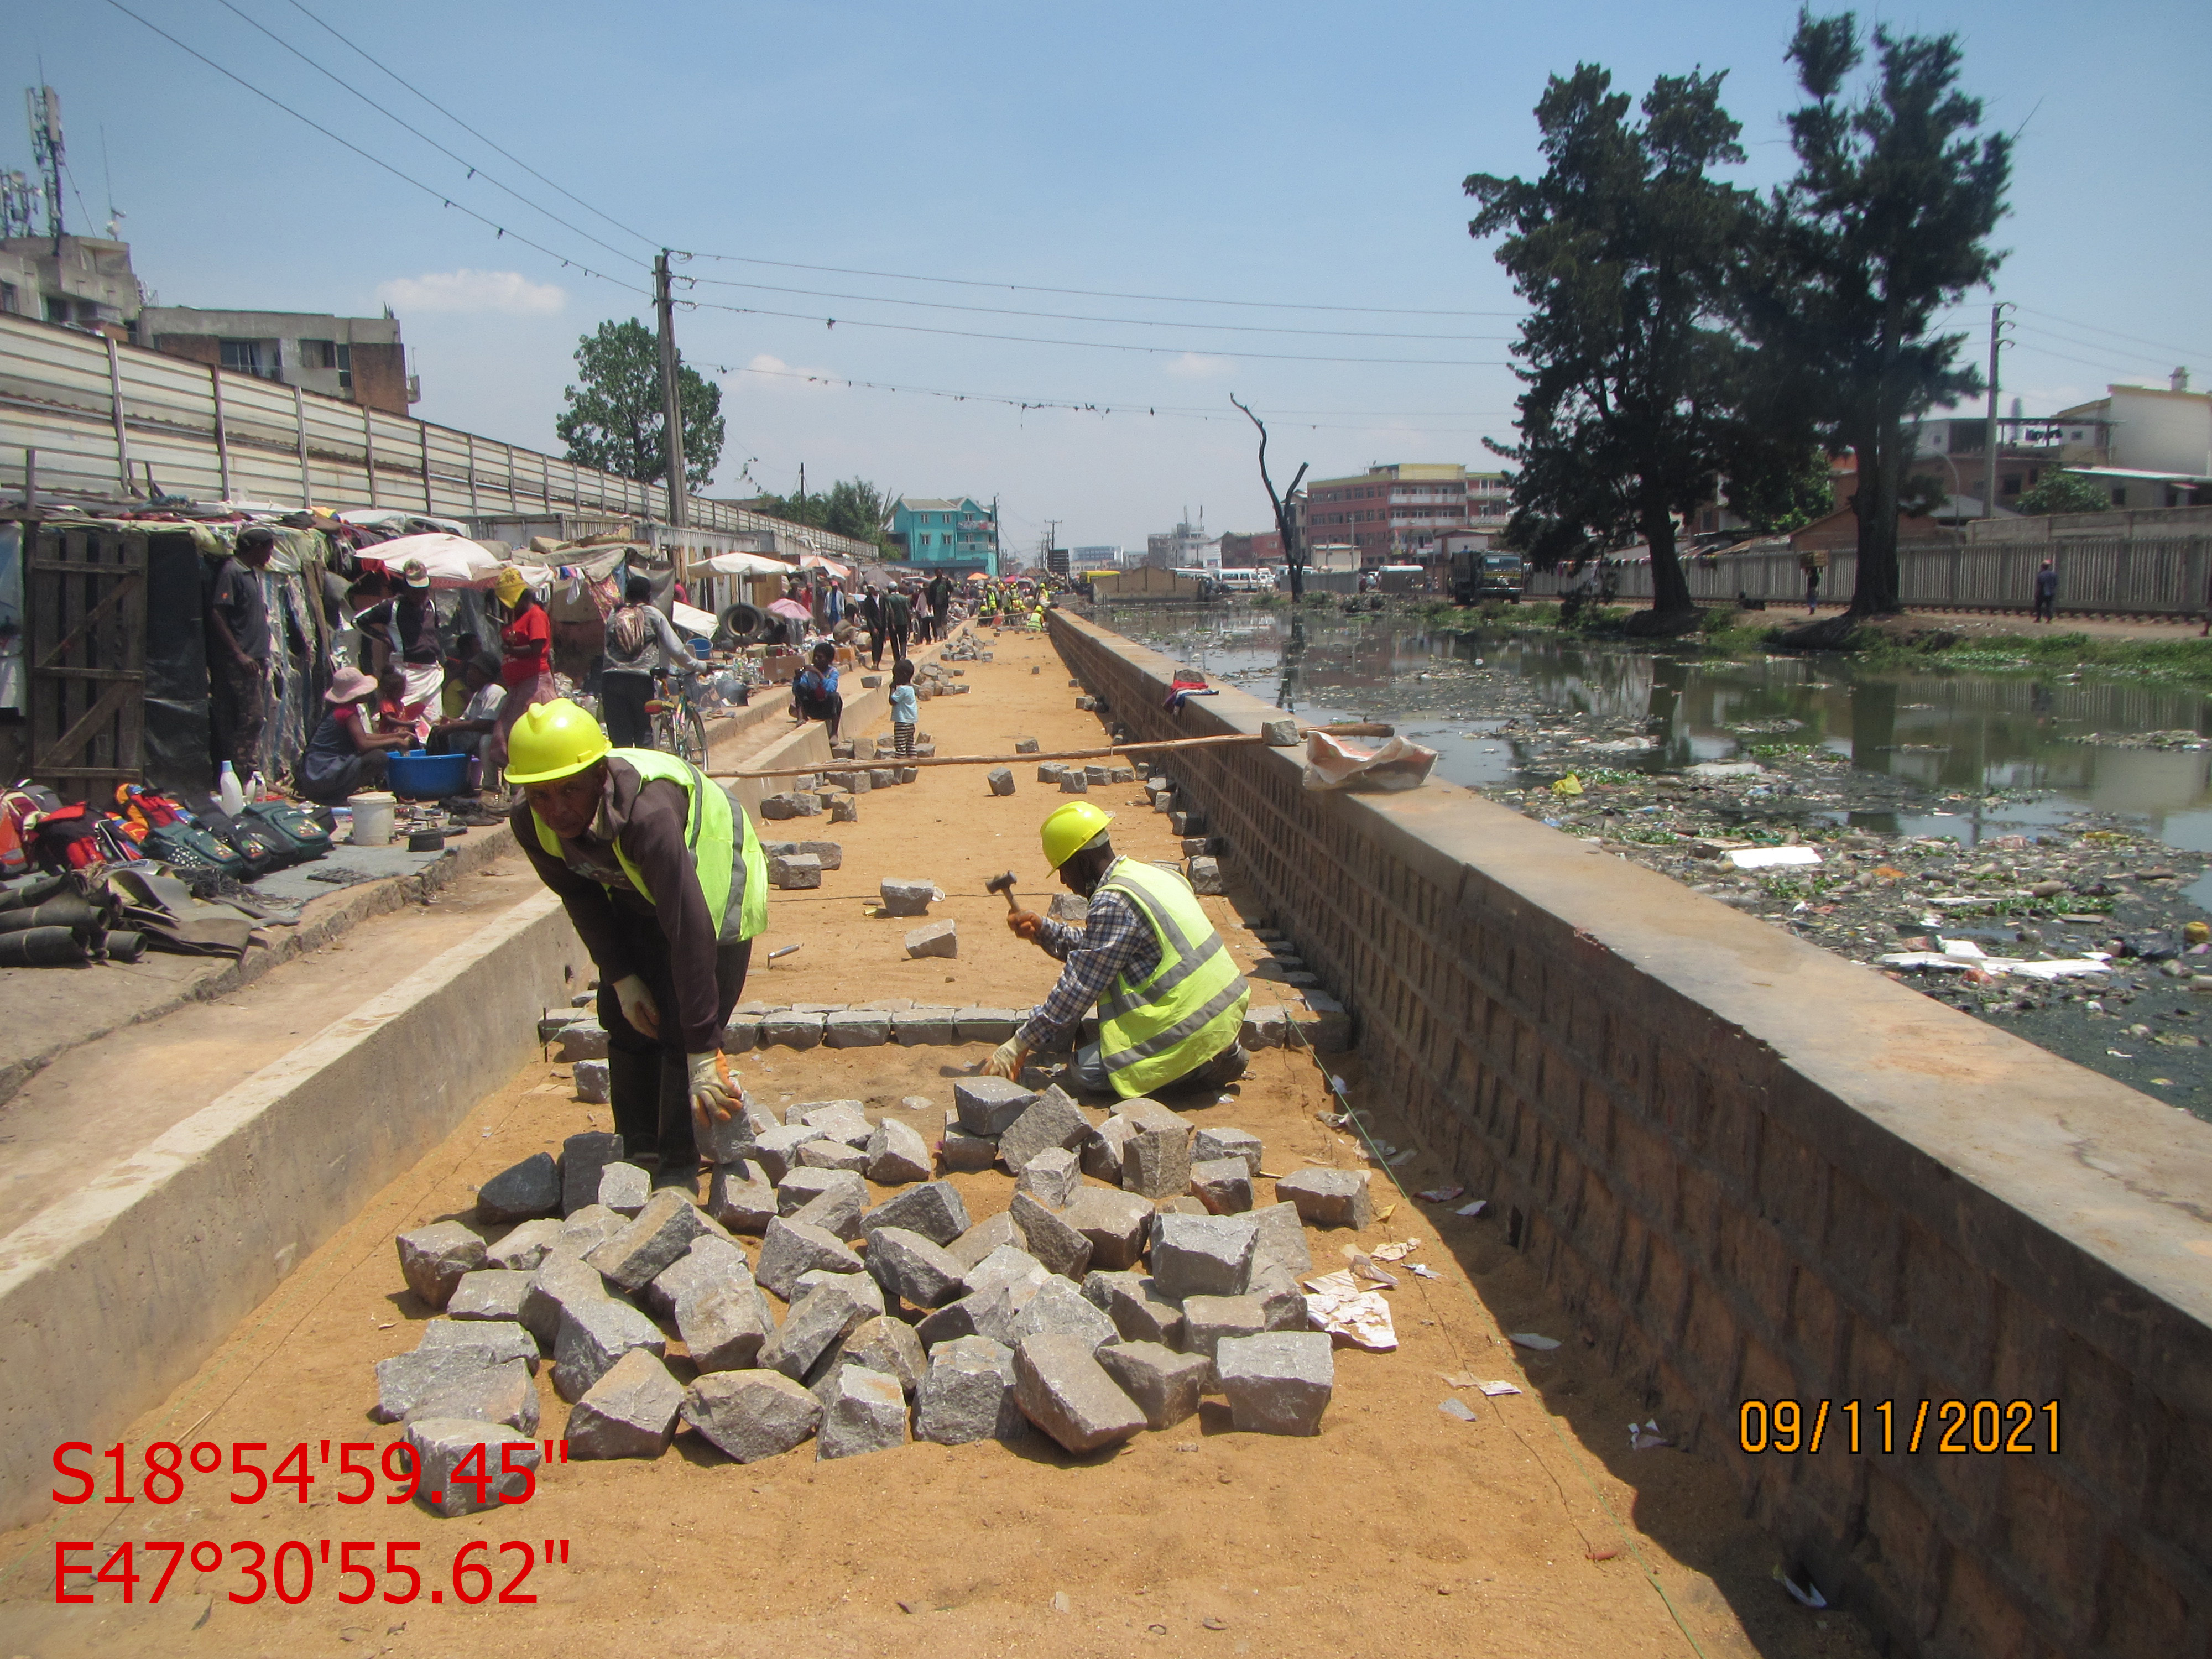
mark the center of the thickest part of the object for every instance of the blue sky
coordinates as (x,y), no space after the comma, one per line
(1281,153)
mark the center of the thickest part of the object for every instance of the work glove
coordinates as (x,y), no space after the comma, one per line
(1024,924)
(715,1093)
(1007,1060)
(637,1005)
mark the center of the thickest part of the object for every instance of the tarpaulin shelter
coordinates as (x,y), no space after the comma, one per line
(451,560)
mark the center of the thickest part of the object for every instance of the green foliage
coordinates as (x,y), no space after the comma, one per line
(1886,225)
(1781,489)
(851,506)
(2059,491)
(1624,249)
(614,420)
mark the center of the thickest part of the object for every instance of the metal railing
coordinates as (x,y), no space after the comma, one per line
(102,418)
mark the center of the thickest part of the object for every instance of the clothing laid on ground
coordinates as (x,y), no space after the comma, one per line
(332,769)
(1169,998)
(670,884)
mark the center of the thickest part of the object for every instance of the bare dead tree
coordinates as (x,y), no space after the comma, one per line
(1294,556)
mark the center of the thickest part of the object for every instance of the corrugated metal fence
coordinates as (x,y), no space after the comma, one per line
(2151,576)
(100,415)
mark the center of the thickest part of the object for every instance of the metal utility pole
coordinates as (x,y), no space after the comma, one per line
(672,402)
(1997,325)
(44,105)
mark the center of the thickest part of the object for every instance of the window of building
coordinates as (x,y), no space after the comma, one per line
(252,358)
(11,302)
(330,354)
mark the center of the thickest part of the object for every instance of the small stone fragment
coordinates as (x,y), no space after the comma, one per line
(629,1412)
(623,1188)
(522,1191)
(1052,1177)
(989,1105)
(1277,1383)
(794,870)
(866,1411)
(896,1154)
(752,1414)
(591,1082)
(934,1210)
(1049,1239)
(1328,1198)
(592,1336)
(442,1444)
(934,938)
(1263,1028)
(1205,875)
(789,1248)
(1064,1391)
(433,1258)
(1224,1185)
(1165,1385)
(1202,1255)
(967,1394)
(583,1039)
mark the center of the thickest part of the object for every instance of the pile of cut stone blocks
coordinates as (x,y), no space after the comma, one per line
(1132,1273)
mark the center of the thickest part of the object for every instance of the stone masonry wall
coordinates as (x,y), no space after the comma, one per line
(1737,1202)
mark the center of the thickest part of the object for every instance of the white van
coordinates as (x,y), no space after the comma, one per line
(1244,581)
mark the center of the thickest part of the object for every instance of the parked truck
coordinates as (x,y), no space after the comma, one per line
(1488,575)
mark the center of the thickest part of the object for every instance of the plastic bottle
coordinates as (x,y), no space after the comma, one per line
(256,786)
(232,798)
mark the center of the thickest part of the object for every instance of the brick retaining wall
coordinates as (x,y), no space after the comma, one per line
(1736,1202)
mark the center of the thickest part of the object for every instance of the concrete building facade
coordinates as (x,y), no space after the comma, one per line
(88,284)
(1187,547)
(957,532)
(1404,509)
(359,359)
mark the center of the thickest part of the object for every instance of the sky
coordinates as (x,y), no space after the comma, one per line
(1204,200)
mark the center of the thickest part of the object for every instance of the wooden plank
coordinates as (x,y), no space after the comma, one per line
(66,747)
(115,600)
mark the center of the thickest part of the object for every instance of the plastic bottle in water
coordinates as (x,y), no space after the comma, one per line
(228,793)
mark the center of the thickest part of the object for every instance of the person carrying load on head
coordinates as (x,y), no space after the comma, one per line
(663,876)
(1170,1001)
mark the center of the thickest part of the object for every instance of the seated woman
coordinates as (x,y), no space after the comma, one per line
(814,692)
(344,757)
(465,733)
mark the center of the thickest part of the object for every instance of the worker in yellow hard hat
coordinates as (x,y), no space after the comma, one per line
(663,876)
(1170,1001)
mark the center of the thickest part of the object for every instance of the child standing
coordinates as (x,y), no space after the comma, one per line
(906,708)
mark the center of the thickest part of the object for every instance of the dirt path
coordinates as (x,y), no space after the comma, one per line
(1397,1532)
(1977,624)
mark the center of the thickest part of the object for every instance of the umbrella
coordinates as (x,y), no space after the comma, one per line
(791,608)
(745,564)
(451,560)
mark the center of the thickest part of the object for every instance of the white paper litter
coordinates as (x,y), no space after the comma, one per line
(1475,1208)
(1397,1252)
(1810,1596)
(1646,1437)
(1769,858)
(1364,1267)
(1959,955)
(1441,1194)
(1457,1408)
(1530,1339)
(1335,1303)
(1493,1390)
(1332,763)
(1420,1272)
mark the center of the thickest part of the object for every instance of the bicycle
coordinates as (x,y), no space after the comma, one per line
(678,728)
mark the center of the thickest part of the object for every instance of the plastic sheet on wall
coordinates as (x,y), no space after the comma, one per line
(179,738)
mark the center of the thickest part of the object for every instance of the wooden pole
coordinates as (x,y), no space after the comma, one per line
(1163,744)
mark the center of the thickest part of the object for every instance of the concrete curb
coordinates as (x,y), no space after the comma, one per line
(331,918)
(113,1297)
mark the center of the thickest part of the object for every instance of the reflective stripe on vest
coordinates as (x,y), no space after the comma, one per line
(1186,1010)
(710,832)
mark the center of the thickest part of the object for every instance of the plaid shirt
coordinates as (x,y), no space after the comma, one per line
(1114,940)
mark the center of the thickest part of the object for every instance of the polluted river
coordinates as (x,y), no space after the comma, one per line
(2033,850)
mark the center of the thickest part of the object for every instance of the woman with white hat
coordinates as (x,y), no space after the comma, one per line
(345,757)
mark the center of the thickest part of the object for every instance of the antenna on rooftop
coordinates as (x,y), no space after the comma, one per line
(44,106)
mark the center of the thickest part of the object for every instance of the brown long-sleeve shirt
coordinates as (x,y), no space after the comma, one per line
(648,819)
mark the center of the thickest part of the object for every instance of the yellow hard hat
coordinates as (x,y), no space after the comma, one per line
(552,740)
(510,585)
(1068,828)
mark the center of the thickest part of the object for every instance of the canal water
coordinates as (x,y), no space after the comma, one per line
(1989,755)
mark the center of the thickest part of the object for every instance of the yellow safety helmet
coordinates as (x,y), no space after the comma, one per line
(1067,828)
(555,739)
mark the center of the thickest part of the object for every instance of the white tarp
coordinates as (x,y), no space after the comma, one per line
(692,622)
(451,560)
(743,564)
(1333,763)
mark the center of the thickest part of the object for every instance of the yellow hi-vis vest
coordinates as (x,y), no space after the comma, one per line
(1186,1010)
(710,832)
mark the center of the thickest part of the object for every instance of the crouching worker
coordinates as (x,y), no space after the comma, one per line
(1170,1001)
(663,876)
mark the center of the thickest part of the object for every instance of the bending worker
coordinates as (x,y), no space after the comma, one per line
(1170,1000)
(664,879)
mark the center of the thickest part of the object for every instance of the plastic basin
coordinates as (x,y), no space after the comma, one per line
(420,775)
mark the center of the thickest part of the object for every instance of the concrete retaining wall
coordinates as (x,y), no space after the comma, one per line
(109,1301)
(1753,1170)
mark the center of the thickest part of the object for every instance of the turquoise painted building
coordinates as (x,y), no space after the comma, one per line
(960,534)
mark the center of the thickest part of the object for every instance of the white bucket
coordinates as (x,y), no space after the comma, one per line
(374,815)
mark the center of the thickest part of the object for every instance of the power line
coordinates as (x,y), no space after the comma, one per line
(393,76)
(2092,328)
(1099,294)
(474,171)
(1080,317)
(1093,345)
(431,191)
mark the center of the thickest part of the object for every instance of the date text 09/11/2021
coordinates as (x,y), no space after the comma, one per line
(290,1574)
(1953,1427)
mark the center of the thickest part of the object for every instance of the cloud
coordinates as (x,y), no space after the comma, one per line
(507,291)
(1198,365)
(773,372)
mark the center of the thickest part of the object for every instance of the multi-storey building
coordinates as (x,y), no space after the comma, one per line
(957,533)
(361,359)
(1404,509)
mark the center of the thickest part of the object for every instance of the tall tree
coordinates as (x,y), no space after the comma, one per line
(1885,224)
(1625,251)
(614,420)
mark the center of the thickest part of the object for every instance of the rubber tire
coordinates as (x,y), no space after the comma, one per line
(743,621)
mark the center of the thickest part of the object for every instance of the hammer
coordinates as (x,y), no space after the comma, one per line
(1003,883)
